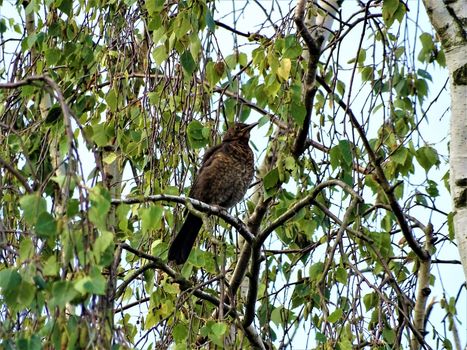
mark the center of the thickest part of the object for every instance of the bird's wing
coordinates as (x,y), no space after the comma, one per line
(209,153)
(208,174)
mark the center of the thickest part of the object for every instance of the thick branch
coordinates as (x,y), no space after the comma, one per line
(423,289)
(201,206)
(262,236)
(306,201)
(314,49)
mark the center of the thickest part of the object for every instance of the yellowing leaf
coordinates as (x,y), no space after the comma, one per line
(109,158)
(284,69)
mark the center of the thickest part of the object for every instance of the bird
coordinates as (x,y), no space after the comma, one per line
(225,174)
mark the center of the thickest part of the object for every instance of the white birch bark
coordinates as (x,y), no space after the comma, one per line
(448,19)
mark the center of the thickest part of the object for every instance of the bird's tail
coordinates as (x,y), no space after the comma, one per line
(181,246)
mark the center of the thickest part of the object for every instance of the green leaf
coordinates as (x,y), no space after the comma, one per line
(283,71)
(150,218)
(100,206)
(334,157)
(212,73)
(195,134)
(451,231)
(112,100)
(367,73)
(100,134)
(316,270)
(345,344)
(25,294)
(424,74)
(51,266)
(298,112)
(32,205)
(219,329)
(441,58)
(427,41)
(104,241)
(188,63)
(341,275)
(292,48)
(335,316)
(361,56)
(62,293)
(109,158)
(10,280)
(370,300)
(346,151)
(422,88)
(389,9)
(72,207)
(210,21)
(52,56)
(215,332)
(276,315)
(94,284)
(427,157)
(154,6)
(289,163)
(400,156)
(270,179)
(389,335)
(26,249)
(160,54)
(66,6)
(46,226)
(180,332)
(321,338)
(432,188)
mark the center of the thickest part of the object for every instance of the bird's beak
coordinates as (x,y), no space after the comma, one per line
(251,126)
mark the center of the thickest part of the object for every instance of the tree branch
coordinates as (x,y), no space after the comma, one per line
(16,174)
(262,236)
(423,289)
(186,285)
(201,206)
(380,176)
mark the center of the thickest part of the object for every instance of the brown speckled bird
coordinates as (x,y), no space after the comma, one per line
(223,179)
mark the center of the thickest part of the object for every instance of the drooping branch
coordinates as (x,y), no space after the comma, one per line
(330,256)
(380,176)
(186,285)
(67,115)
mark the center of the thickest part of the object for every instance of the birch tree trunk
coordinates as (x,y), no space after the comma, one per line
(448,19)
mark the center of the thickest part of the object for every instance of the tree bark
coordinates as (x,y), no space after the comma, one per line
(448,19)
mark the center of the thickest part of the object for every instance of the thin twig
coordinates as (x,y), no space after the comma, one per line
(16,174)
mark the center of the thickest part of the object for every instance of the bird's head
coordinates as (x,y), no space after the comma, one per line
(239,131)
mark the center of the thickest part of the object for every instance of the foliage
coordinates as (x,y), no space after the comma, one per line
(105,111)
